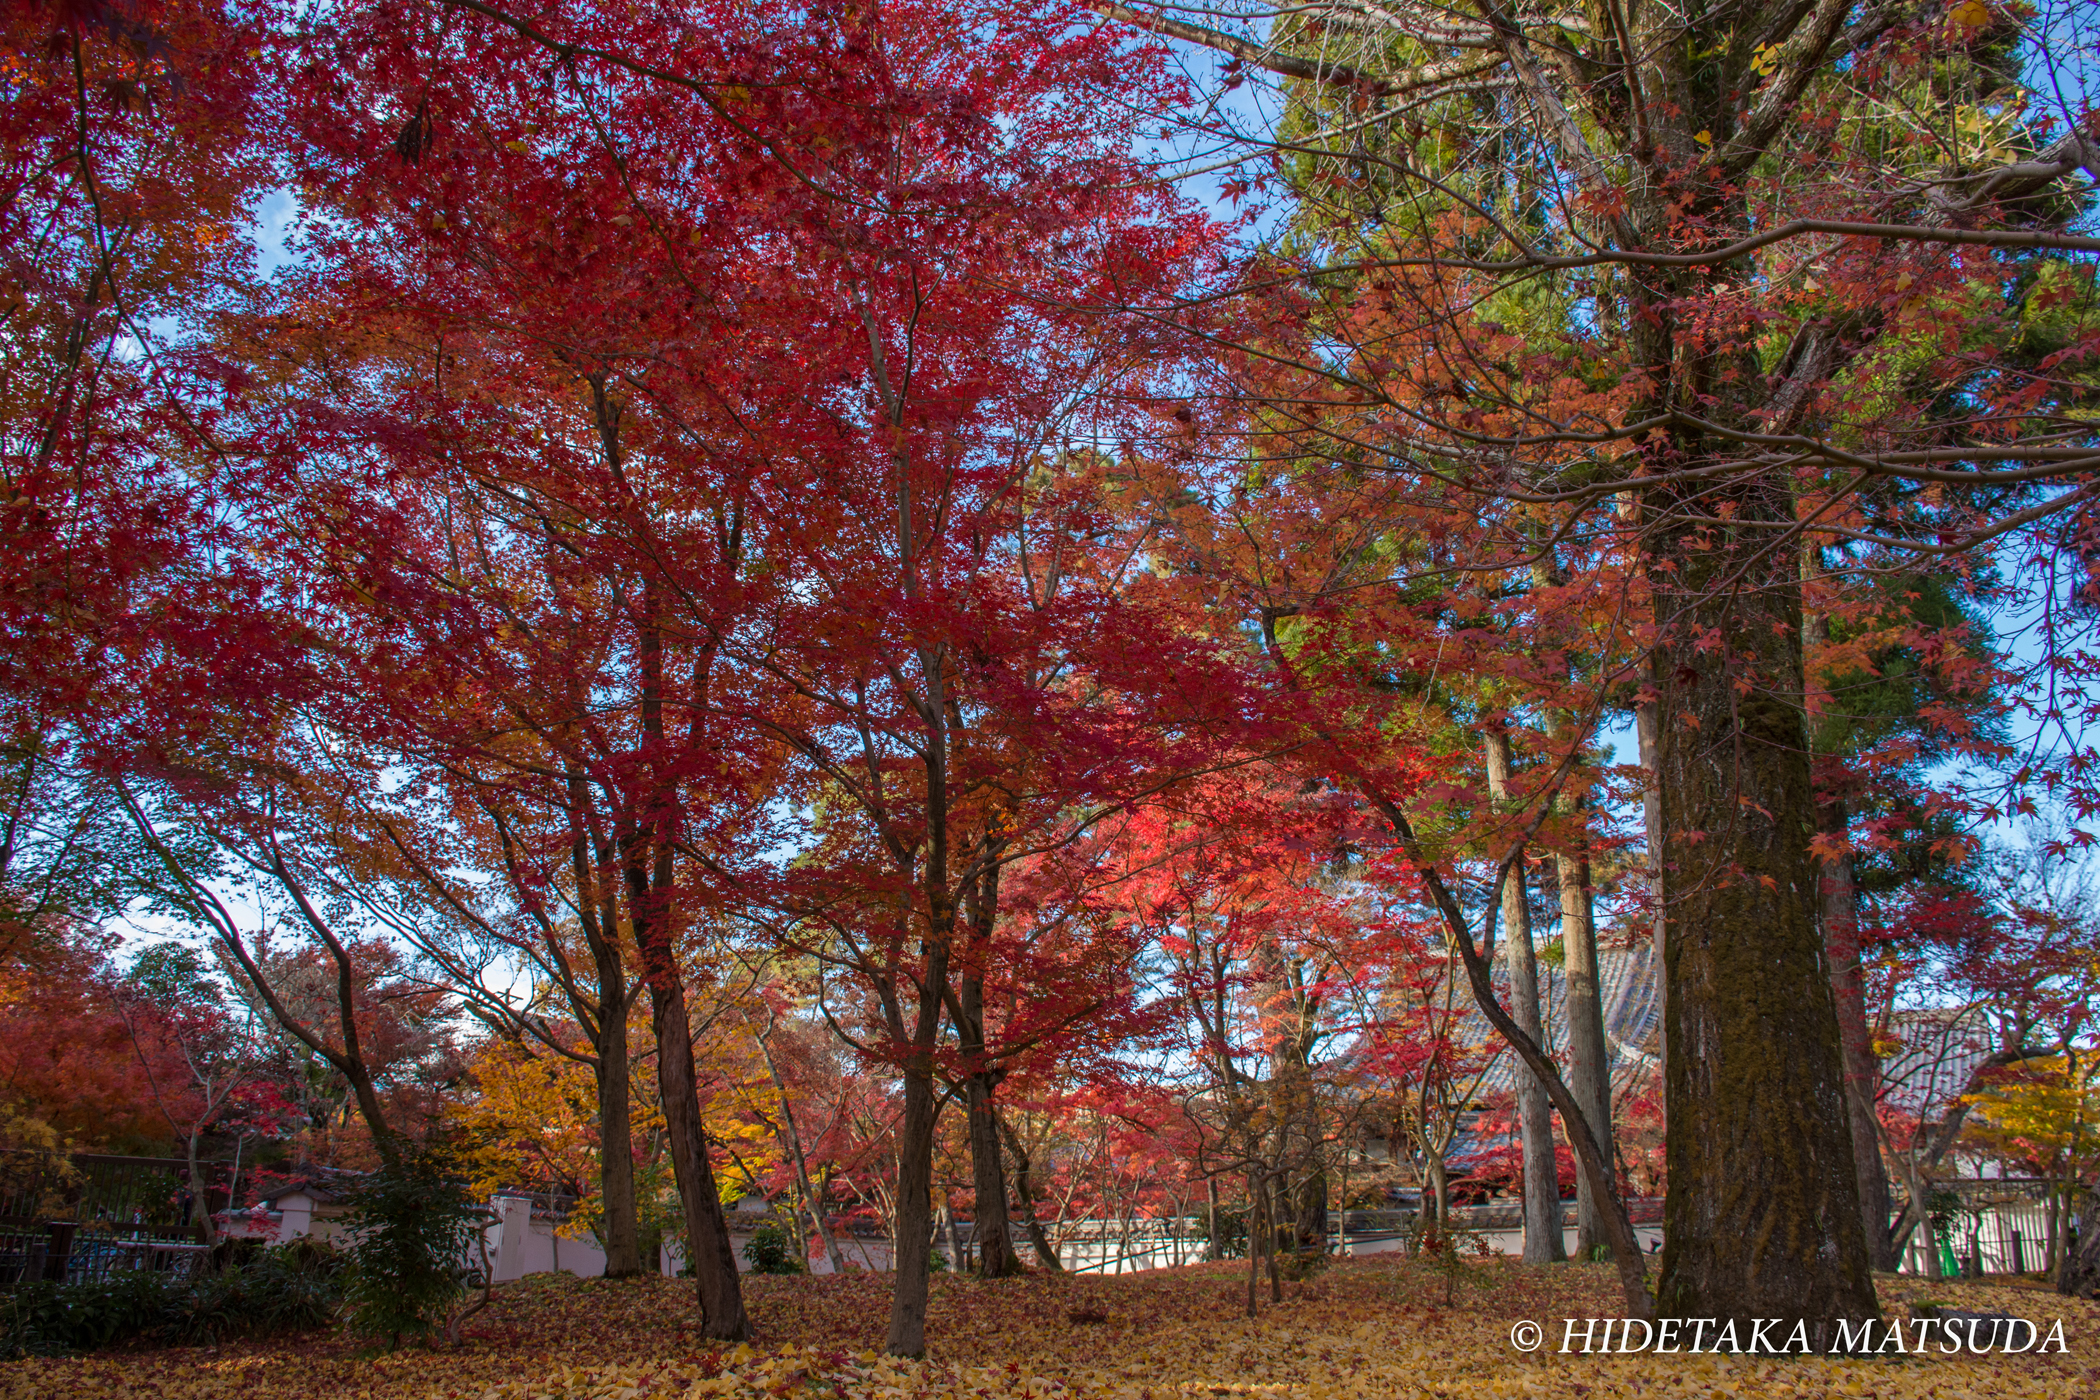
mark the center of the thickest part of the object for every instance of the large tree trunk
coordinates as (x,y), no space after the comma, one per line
(721,1292)
(1543,1239)
(1762,1218)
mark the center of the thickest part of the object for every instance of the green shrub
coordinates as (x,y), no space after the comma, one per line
(286,1289)
(411,1223)
(291,1288)
(771,1250)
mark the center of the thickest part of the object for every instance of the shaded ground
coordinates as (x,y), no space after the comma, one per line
(1368,1328)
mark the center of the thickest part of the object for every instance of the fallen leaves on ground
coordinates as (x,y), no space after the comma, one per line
(1365,1328)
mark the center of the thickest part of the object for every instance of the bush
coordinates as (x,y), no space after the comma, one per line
(771,1250)
(411,1223)
(286,1289)
(291,1288)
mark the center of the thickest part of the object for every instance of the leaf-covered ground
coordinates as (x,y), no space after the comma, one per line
(1365,1328)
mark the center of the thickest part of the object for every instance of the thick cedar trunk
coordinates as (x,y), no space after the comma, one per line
(1762,1218)
(1855,1041)
(1543,1242)
(714,1264)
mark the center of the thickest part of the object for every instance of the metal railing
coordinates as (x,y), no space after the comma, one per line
(93,1215)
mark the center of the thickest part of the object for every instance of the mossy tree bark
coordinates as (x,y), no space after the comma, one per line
(1762,1218)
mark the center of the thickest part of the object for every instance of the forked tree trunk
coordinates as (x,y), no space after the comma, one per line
(1762,1218)
(1024,1192)
(1543,1240)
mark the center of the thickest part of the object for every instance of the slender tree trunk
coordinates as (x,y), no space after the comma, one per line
(812,1200)
(953,1240)
(1256,1228)
(1762,1218)
(645,856)
(1839,908)
(1543,1242)
(720,1291)
(1645,725)
(200,1194)
(1589,1054)
(913,1241)
(1862,1069)
(623,1244)
(1271,1191)
(2053,1222)
(915,1131)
